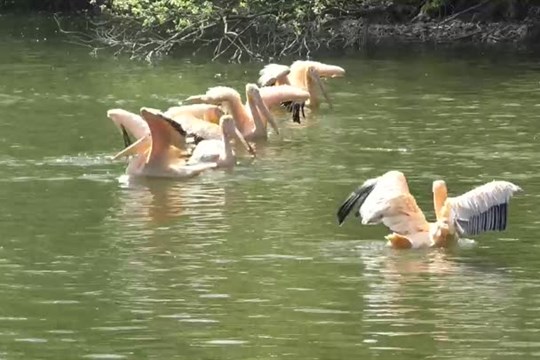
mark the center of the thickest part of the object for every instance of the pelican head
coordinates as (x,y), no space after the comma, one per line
(312,76)
(229,129)
(227,125)
(440,194)
(252,90)
(253,94)
(331,71)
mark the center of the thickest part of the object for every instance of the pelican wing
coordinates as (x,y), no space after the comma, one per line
(272,73)
(482,209)
(165,133)
(207,151)
(201,129)
(129,124)
(386,200)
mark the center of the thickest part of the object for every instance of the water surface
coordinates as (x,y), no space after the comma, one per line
(250,264)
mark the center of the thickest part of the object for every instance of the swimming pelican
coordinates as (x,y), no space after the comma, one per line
(251,118)
(162,158)
(303,74)
(387,200)
(219,151)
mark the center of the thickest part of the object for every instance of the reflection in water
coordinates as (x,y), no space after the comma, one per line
(158,201)
(432,296)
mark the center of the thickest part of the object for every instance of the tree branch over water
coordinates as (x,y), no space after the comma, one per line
(241,30)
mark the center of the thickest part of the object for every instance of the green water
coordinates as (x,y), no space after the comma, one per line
(250,264)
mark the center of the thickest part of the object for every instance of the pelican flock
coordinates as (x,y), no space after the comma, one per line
(204,132)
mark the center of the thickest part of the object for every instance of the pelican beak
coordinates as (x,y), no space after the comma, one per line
(331,71)
(138,147)
(196,99)
(317,80)
(263,110)
(241,138)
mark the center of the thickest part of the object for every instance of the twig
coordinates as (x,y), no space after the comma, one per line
(463,12)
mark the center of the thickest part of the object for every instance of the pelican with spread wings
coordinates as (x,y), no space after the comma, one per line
(164,153)
(387,200)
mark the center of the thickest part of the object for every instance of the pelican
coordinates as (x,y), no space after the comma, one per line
(303,74)
(251,118)
(163,157)
(219,151)
(387,200)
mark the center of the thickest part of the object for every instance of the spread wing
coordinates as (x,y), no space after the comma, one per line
(129,124)
(165,133)
(386,200)
(482,209)
(200,129)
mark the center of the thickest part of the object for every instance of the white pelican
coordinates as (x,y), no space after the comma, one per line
(164,156)
(219,151)
(303,74)
(387,200)
(251,119)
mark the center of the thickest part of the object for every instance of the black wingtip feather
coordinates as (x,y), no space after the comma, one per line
(176,126)
(296,109)
(125,136)
(493,219)
(354,200)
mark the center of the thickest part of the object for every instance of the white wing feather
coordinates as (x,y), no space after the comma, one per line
(483,208)
(207,151)
(391,203)
(271,72)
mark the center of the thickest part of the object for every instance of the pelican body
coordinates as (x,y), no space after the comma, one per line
(387,200)
(219,151)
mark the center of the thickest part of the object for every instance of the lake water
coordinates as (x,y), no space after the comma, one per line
(250,264)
